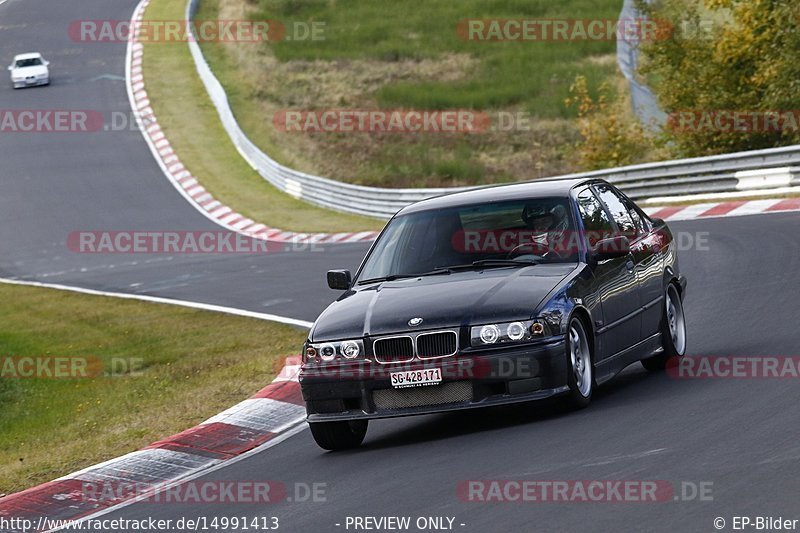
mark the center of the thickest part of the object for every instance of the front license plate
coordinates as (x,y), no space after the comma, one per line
(416,378)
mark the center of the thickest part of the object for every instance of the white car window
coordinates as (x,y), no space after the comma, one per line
(33,62)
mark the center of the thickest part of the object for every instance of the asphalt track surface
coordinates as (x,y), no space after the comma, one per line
(739,435)
(55,183)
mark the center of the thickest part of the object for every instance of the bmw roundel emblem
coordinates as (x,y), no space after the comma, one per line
(416,321)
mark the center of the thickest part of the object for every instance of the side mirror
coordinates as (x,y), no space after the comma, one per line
(611,248)
(11,67)
(46,63)
(339,279)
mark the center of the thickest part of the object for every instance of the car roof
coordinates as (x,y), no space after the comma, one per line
(28,55)
(549,187)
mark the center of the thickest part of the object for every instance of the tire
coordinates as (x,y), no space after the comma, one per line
(336,436)
(580,368)
(673,332)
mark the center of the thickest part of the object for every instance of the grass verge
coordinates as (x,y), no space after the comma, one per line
(190,122)
(409,55)
(173,368)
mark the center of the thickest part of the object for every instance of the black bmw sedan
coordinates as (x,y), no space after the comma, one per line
(493,296)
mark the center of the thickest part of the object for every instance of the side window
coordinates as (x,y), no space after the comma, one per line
(618,209)
(637,220)
(642,222)
(595,220)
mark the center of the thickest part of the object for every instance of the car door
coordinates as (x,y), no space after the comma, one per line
(615,279)
(648,252)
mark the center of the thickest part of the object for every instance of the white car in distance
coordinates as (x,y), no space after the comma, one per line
(28,70)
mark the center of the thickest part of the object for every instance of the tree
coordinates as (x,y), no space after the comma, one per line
(721,57)
(610,137)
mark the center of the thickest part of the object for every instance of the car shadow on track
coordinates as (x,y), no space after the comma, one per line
(625,387)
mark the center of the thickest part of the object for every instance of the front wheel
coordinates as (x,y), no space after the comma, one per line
(580,377)
(339,435)
(673,332)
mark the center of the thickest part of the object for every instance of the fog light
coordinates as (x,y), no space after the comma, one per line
(327,352)
(490,334)
(350,349)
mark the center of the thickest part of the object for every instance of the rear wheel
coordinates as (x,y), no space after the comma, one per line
(580,377)
(673,332)
(339,435)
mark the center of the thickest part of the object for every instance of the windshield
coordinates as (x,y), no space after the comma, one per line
(32,62)
(527,231)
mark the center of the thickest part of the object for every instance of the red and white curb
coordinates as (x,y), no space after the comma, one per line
(724,209)
(275,411)
(188,184)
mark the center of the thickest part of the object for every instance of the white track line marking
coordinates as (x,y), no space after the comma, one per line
(168,301)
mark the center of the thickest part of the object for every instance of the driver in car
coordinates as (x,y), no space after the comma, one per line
(546,226)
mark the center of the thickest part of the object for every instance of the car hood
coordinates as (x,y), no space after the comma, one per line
(461,298)
(35,70)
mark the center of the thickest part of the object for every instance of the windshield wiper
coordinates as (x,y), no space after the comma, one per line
(483,263)
(504,262)
(392,277)
(491,263)
(383,278)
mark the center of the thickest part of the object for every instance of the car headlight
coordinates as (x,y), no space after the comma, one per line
(41,76)
(503,333)
(331,351)
(350,349)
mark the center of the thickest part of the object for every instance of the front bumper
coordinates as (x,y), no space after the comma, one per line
(363,390)
(30,83)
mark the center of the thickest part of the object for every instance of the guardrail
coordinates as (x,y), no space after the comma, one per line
(754,170)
